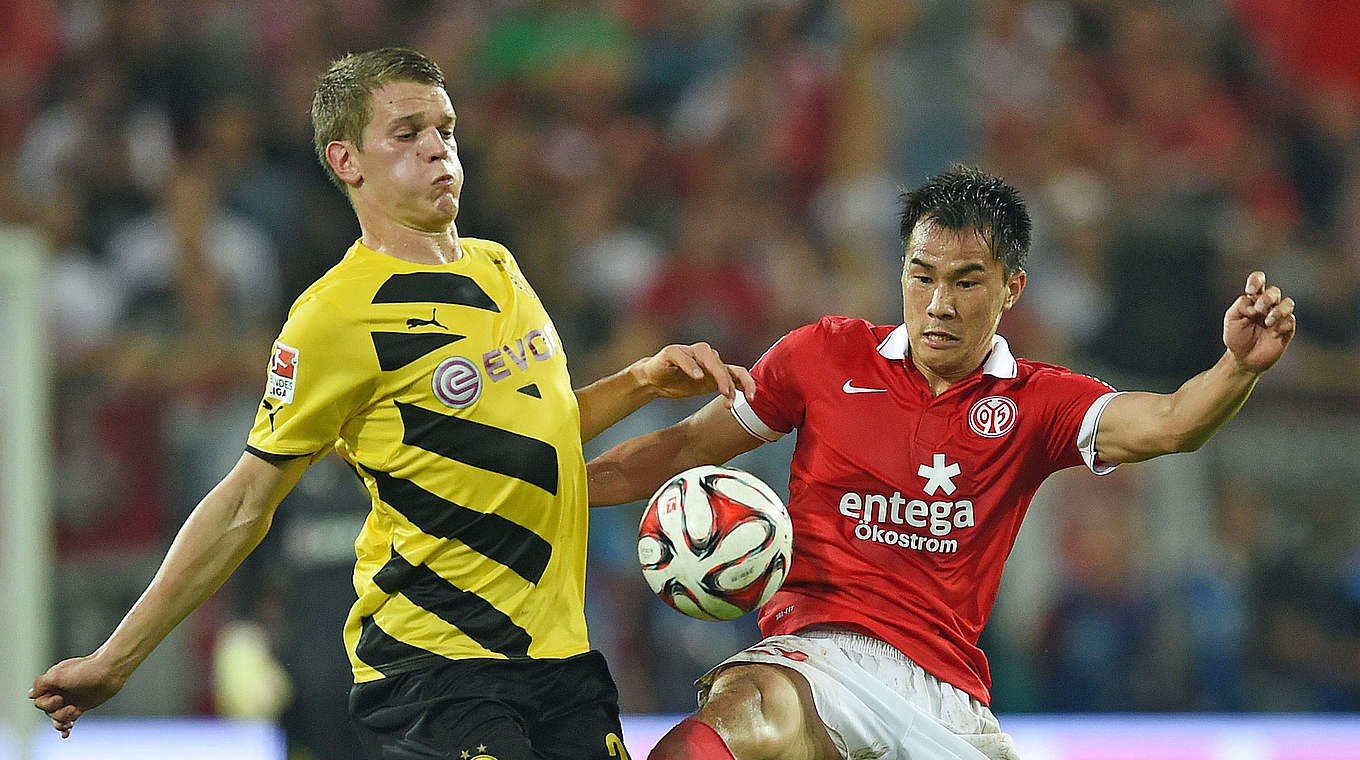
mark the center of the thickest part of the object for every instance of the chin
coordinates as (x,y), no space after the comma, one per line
(431,223)
(444,214)
(942,358)
(945,350)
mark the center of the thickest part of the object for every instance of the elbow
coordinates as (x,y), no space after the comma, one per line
(1185,441)
(1189,445)
(1178,433)
(251,514)
(250,525)
(601,479)
(1150,445)
(260,524)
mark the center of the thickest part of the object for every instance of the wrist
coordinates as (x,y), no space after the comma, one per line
(1236,367)
(641,386)
(118,664)
(1239,366)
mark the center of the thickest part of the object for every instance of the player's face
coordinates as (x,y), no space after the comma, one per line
(953,292)
(409,162)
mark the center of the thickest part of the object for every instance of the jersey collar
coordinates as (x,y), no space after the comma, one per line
(999,363)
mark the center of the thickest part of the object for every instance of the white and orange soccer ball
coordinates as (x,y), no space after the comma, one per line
(715,542)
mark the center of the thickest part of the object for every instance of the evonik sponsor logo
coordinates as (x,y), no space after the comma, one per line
(536,345)
(458,381)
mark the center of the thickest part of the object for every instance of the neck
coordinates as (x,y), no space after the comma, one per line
(416,246)
(938,383)
(940,379)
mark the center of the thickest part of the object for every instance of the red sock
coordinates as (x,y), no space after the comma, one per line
(691,740)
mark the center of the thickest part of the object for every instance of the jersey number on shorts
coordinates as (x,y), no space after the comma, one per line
(614,744)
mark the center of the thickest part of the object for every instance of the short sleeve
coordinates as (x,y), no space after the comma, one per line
(321,372)
(1086,436)
(1073,405)
(779,403)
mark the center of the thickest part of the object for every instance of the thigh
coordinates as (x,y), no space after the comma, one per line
(578,709)
(863,716)
(765,710)
(432,716)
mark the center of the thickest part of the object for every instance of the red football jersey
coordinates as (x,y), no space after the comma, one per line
(905,505)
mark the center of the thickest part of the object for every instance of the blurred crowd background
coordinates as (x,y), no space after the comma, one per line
(725,170)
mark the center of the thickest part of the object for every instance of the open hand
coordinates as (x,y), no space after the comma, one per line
(680,371)
(1259,324)
(72,687)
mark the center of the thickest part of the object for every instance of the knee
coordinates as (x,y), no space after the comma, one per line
(760,713)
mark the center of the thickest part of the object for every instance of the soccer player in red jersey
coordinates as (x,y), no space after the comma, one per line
(919,449)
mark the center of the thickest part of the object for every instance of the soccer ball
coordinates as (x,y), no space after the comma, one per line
(715,542)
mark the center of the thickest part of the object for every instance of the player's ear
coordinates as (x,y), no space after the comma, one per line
(1014,286)
(341,155)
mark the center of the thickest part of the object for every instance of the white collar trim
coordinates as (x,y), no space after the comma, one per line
(1000,362)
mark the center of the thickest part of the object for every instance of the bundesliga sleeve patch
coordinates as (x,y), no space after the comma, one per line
(282,380)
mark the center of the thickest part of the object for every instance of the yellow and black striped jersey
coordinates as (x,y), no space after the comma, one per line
(446,388)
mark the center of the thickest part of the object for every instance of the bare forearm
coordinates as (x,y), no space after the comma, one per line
(1257,328)
(610,399)
(634,469)
(222,530)
(1208,400)
(1138,426)
(673,372)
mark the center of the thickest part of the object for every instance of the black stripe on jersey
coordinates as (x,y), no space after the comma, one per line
(398,349)
(495,537)
(471,614)
(530,390)
(480,445)
(379,649)
(434,287)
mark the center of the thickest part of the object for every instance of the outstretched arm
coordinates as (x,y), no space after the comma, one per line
(1256,329)
(635,468)
(222,530)
(674,372)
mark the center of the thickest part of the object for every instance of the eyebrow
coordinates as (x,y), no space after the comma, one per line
(417,118)
(965,269)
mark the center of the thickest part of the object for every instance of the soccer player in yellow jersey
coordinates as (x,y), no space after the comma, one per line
(428,363)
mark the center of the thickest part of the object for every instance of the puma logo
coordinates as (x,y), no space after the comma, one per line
(273,410)
(414,322)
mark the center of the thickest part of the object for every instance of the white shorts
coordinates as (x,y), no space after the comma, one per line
(876,703)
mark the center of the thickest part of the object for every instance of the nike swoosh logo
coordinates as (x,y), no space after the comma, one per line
(850,388)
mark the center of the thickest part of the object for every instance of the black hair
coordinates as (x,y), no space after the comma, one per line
(965,198)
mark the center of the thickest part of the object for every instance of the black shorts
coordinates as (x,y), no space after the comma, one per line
(493,710)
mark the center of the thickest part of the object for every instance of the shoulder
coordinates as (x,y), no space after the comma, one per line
(842,330)
(488,248)
(331,302)
(1032,369)
(834,338)
(1040,376)
(833,332)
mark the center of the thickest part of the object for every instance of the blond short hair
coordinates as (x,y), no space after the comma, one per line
(341,106)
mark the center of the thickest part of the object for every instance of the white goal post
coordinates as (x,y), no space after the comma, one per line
(25,491)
